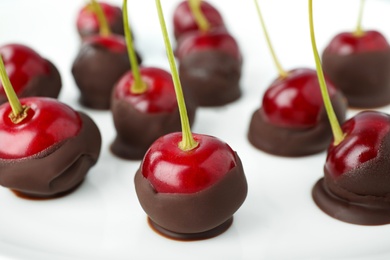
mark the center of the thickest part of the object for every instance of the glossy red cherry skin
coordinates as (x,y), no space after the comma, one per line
(348,43)
(22,64)
(295,101)
(218,39)
(159,96)
(48,122)
(363,136)
(114,43)
(184,22)
(171,170)
(87,19)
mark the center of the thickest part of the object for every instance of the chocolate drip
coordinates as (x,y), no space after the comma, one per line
(193,236)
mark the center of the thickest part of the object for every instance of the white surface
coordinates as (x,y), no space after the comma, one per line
(103,219)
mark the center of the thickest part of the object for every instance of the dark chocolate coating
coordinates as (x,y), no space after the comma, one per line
(116,27)
(193,236)
(96,70)
(212,77)
(294,142)
(136,131)
(364,78)
(361,195)
(48,85)
(197,212)
(57,169)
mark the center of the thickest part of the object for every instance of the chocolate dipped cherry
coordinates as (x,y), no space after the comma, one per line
(141,118)
(358,63)
(144,106)
(190,194)
(47,148)
(100,63)
(195,15)
(88,22)
(210,67)
(292,120)
(190,185)
(355,188)
(30,74)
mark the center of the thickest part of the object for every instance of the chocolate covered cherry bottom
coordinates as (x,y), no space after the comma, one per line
(140,119)
(196,215)
(100,63)
(56,170)
(294,142)
(136,131)
(353,208)
(362,77)
(350,206)
(211,77)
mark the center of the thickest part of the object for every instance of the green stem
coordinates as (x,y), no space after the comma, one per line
(188,142)
(103,24)
(281,71)
(139,86)
(359,31)
(19,112)
(334,123)
(199,17)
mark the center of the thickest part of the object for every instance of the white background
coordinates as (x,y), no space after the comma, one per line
(103,219)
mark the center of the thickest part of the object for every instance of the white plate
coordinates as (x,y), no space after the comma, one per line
(103,219)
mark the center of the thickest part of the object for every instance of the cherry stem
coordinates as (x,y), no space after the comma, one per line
(103,24)
(19,112)
(334,123)
(188,142)
(281,71)
(359,31)
(199,17)
(138,86)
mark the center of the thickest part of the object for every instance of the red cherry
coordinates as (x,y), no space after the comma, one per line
(159,96)
(22,64)
(48,122)
(218,39)
(88,21)
(295,101)
(184,21)
(171,170)
(363,136)
(115,43)
(348,43)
